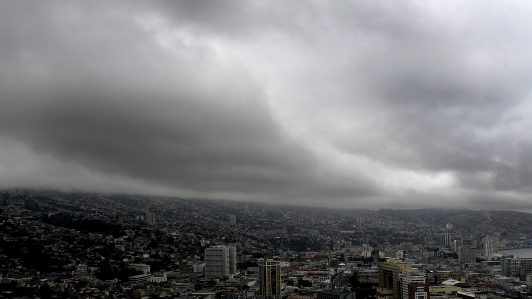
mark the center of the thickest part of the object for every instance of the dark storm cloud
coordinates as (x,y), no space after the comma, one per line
(116,103)
(240,19)
(349,103)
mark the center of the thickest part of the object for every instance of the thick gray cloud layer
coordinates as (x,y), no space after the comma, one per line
(344,103)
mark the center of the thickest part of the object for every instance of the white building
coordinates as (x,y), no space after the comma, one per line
(449,227)
(413,285)
(489,246)
(220,261)
(232,219)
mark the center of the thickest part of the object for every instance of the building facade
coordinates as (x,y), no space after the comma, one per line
(466,254)
(489,246)
(216,262)
(150,218)
(389,275)
(516,267)
(220,261)
(232,259)
(414,286)
(270,279)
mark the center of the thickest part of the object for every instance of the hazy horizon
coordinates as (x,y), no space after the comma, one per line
(316,206)
(344,104)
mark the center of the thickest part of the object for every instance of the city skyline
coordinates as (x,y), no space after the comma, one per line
(61,244)
(348,104)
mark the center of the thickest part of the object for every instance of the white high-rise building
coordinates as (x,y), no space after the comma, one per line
(220,261)
(449,227)
(489,246)
(447,240)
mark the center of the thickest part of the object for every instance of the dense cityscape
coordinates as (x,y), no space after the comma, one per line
(258,149)
(90,245)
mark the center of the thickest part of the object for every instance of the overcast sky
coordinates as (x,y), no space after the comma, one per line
(398,104)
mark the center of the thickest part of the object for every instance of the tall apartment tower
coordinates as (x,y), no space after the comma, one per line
(489,246)
(216,262)
(232,259)
(150,218)
(414,286)
(449,227)
(270,278)
(444,240)
(220,261)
